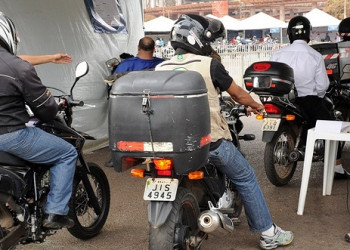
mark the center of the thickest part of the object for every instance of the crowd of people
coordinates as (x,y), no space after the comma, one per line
(193,54)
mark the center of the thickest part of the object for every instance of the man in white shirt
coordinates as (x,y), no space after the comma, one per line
(311,80)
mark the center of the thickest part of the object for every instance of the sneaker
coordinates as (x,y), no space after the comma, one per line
(339,176)
(281,238)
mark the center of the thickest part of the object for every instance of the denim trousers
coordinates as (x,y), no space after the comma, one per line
(232,163)
(37,146)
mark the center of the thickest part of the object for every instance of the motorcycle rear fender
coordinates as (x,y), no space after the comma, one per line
(268,135)
(158,212)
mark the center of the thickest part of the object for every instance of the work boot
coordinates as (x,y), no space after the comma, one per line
(57,221)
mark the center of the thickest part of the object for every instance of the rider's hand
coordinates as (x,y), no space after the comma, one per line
(256,110)
(62,58)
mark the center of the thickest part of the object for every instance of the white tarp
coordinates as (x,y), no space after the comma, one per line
(261,21)
(51,26)
(319,18)
(159,24)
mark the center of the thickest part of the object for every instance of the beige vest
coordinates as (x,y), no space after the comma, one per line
(201,64)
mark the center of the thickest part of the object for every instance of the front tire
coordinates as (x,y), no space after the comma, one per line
(181,224)
(87,223)
(279,169)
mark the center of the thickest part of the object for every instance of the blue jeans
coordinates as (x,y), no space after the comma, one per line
(231,162)
(38,146)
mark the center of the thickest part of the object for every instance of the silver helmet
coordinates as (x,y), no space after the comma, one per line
(8,34)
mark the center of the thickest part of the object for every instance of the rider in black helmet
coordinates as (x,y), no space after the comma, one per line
(311,80)
(299,28)
(191,37)
(344,29)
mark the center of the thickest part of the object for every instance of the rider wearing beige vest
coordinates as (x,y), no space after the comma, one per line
(201,64)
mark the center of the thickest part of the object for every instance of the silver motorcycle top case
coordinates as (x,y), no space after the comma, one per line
(160,114)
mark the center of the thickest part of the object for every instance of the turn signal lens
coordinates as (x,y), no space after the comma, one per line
(138,172)
(163,164)
(196,175)
(290,117)
(260,116)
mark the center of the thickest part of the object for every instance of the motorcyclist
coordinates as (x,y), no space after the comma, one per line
(20,86)
(344,29)
(311,80)
(191,37)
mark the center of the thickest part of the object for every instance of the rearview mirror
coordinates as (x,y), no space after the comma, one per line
(81,69)
(111,63)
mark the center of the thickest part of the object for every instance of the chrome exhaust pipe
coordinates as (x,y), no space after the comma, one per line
(210,221)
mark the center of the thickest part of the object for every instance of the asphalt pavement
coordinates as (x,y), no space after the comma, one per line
(325,221)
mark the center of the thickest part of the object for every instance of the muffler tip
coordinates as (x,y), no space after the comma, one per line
(209,221)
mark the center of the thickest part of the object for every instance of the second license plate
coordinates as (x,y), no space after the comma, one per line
(271,124)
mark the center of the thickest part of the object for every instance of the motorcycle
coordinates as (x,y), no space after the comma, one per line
(167,125)
(24,186)
(284,124)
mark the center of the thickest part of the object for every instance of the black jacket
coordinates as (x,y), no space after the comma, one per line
(20,84)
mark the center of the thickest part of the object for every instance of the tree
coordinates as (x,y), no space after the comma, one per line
(336,8)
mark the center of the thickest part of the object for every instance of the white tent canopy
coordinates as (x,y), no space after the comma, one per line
(231,23)
(261,21)
(319,18)
(159,24)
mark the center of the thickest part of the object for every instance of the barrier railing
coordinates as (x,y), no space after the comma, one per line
(235,58)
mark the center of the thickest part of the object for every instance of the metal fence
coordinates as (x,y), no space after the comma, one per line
(235,58)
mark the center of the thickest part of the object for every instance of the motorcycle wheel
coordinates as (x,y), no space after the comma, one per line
(87,223)
(279,169)
(181,224)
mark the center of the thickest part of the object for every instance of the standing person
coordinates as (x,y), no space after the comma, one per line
(191,37)
(311,80)
(20,85)
(327,38)
(344,36)
(144,58)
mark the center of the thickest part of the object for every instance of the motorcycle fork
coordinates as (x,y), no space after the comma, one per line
(83,174)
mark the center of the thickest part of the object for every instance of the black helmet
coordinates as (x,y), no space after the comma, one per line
(194,33)
(299,27)
(344,29)
(8,34)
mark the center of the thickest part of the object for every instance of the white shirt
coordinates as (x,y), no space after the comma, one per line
(310,74)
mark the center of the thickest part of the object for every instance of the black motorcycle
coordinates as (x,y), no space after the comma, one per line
(24,186)
(284,124)
(167,125)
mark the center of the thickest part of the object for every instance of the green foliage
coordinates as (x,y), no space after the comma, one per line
(336,8)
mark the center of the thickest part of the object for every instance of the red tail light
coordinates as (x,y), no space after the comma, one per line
(163,166)
(272,109)
(329,72)
(261,66)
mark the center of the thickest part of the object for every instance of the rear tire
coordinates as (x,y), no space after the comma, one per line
(279,169)
(181,224)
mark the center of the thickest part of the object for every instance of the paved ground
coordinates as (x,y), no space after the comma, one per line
(323,225)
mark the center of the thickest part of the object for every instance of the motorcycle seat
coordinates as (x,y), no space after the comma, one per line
(9,159)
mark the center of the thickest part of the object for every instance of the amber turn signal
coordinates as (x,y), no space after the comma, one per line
(260,116)
(196,175)
(138,172)
(290,117)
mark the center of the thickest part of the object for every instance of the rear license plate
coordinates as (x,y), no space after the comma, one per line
(271,124)
(160,189)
